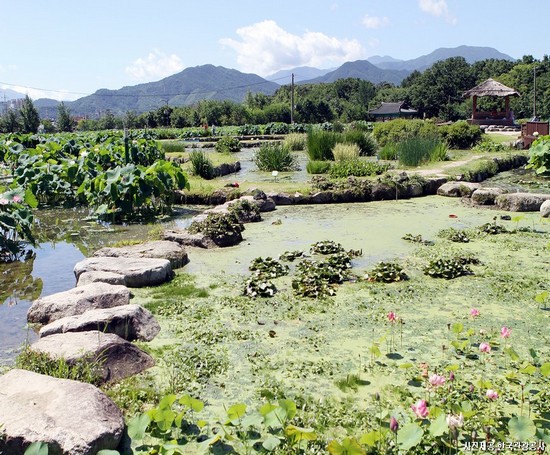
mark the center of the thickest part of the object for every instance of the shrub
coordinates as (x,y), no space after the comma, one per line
(295,141)
(201,165)
(388,152)
(274,156)
(318,167)
(400,129)
(345,152)
(228,144)
(460,135)
(320,144)
(172,146)
(357,168)
(539,155)
(366,142)
(420,149)
(249,130)
(487,145)
(276,128)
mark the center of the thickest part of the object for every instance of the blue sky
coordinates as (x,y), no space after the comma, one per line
(75,48)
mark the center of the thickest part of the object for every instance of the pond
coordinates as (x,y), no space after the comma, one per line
(66,237)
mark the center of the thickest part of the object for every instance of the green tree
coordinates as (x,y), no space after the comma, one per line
(9,123)
(29,116)
(64,119)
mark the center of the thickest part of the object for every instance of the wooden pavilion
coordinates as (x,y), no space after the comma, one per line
(491,88)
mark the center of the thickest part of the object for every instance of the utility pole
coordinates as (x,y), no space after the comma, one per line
(534,92)
(292,100)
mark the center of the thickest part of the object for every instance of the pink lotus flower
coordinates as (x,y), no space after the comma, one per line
(392,317)
(455,421)
(451,376)
(394,424)
(474,312)
(485,347)
(492,394)
(420,409)
(437,380)
(505,332)
(17,199)
(4,201)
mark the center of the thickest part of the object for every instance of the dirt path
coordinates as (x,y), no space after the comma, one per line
(441,170)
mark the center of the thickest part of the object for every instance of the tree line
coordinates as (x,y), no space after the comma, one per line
(435,92)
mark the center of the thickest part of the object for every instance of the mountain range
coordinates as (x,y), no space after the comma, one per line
(219,83)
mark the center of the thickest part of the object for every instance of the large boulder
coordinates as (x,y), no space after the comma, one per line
(101,277)
(545,209)
(113,358)
(486,196)
(458,189)
(281,198)
(521,202)
(72,417)
(137,272)
(131,322)
(76,301)
(158,249)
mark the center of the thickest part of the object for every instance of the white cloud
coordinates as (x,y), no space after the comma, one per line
(374,21)
(373,42)
(437,8)
(265,47)
(156,65)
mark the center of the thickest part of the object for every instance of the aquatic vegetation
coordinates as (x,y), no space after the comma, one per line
(268,267)
(447,268)
(387,272)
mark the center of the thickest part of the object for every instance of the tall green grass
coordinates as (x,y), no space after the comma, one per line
(345,152)
(417,150)
(172,146)
(318,167)
(295,141)
(365,141)
(274,156)
(201,165)
(320,144)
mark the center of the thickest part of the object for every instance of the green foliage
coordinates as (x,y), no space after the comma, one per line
(246,211)
(387,272)
(320,144)
(228,144)
(172,146)
(539,155)
(276,128)
(16,220)
(201,164)
(388,152)
(318,167)
(64,121)
(417,150)
(345,152)
(365,141)
(327,247)
(357,168)
(489,146)
(37,448)
(273,156)
(259,286)
(291,256)
(400,129)
(30,119)
(447,268)
(454,235)
(295,141)
(493,229)
(268,267)
(84,370)
(217,225)
(460,135)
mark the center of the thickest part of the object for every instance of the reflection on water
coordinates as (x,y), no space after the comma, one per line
(65,237)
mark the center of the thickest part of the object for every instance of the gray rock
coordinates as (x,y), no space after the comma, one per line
(113,357)
(158,249)
(70,416)
(101,277)
(137,272)
(183,237)
(131,322)
(457,189)
(521,202)
(545,209)
(77,301)
(486,196)
(281,198)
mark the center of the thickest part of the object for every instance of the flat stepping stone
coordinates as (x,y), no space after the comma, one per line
(457,189)
(76,301)
(137,272)
(521,202)
(183,237)
(159,249)
(131,322)
(486,196)
(115,358)
(72,417)
(101,277)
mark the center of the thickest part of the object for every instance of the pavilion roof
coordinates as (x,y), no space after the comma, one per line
(490,88)
(391,108)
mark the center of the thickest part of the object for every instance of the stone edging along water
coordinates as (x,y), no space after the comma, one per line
(402,186)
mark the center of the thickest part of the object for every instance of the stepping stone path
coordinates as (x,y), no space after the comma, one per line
(457,189)
(114,357)
(76,301)
(70,416)
(521,202)
(130,322)
(160,249)
(137,272)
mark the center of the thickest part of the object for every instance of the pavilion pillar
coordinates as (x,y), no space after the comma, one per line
(474,106)
(507,106)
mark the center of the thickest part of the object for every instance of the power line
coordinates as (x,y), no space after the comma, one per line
(145,95)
